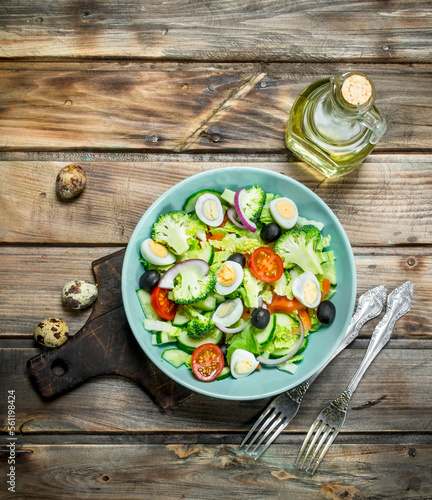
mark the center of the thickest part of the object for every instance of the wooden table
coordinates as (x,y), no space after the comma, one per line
(143,94)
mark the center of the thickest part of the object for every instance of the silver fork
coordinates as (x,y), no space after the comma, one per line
(331,418)
(283,409)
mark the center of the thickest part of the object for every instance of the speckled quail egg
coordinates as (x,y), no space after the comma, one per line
(228,313)
(242,363)
(209,209)
(306,289)
(156,254)
(79,294)
(284,212)
(70,182)
(229,277)
(51,332)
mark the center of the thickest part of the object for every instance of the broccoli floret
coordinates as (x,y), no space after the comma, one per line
(300,246)
(252,287)
(190,287)
(175,230)
(199,326)
(252,202)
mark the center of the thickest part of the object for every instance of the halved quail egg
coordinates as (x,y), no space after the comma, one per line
(209,209)
(229,277)
(156,254)
(228,313)
(242,363)
(306,289)
(284,212)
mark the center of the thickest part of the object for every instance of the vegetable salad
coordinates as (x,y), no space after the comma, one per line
(235,281)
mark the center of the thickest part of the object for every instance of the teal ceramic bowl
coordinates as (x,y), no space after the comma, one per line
(266,381)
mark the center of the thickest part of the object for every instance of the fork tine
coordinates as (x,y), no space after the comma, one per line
(265,424)
(327,446)
(277,421)
(312,444)
(270,441)
(306,440)
(326,431)
(263,414)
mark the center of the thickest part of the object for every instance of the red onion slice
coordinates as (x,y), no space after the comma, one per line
(291,353)
(243,219)
(200,266)
(232,330)
(232,216)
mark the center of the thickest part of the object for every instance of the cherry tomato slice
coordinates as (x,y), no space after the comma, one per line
(207,362)
(266,265)
(163,306)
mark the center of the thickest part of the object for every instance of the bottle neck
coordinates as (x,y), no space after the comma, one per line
(352,96)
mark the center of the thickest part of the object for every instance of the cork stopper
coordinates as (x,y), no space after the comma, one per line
(356,90)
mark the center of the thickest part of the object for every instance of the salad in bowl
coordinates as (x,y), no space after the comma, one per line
(235,283)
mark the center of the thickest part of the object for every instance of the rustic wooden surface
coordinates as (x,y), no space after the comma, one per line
(145,94)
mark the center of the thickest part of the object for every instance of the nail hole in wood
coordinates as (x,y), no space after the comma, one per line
(59,367)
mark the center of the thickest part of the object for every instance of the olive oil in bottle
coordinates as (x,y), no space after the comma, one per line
(334,125)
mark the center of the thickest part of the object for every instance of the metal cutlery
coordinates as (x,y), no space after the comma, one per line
(282,410)
(331,418)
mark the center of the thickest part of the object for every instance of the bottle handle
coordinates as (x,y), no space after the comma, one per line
(373,121)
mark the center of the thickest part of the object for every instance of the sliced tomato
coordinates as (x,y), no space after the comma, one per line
(266,265)
(207,362)
(162,305)
(281,304)
(325,287)
(306,319)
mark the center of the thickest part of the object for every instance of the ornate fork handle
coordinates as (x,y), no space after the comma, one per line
(398,304)
(369,305)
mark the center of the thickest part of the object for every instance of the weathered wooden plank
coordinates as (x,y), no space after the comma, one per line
(373,203)
(397,383)
(219,30)
(188,107)
(32,279)
(176,471)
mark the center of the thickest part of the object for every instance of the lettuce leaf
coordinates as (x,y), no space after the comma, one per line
(243,340)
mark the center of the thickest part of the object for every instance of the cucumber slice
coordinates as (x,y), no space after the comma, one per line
(206,254)
(228,196)
(279,353)
(208,304)
(176,357)
(285,320)
(189,345)
(264,336)
(160,338)
(225,373)
(303,347)
(144,299)
(190,203)
(180,319)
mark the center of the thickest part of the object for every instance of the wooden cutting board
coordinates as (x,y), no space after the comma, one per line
(105,345)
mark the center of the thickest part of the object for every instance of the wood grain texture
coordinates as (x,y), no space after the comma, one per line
(181,107)
(398,383)
(372,203)
(215,30)
(175,471)
(37,275)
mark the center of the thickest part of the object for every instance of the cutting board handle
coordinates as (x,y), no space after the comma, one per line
(105,345)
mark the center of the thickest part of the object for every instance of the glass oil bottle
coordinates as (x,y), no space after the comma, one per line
(334,125)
